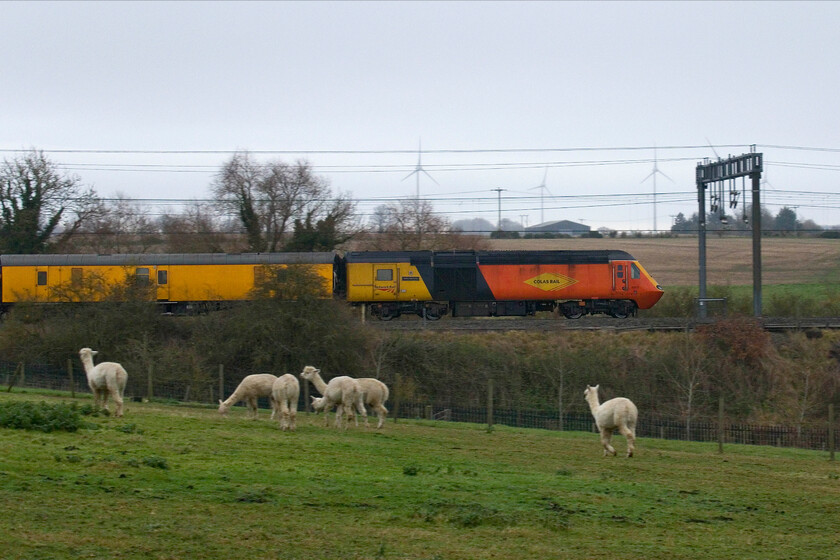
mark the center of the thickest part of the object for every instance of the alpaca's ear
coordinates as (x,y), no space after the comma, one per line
(221,401)
(317,371)
(94,352)
(596,386)
(313,398)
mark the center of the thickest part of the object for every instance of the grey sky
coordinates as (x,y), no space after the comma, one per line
(380,77)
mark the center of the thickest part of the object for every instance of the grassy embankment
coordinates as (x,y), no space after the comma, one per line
(180,482)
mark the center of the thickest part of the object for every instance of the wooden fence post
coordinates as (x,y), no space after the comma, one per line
(397,389)
(720,424)
(221,382)
(149,391)
(307,402)
(831,431)
(70,374)
(22,374)
(560,408)
(490,405)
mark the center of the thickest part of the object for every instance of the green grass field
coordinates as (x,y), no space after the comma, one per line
(174,482)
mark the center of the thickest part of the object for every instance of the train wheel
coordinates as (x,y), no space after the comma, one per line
(572,311)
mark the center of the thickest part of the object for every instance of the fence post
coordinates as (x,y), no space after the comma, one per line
(221,382)
(22,374)
(397,389)
(307,402)
(831,431)
(149,391)
(70,374)
(429,415)
(720,424)
(490,405)
(560,408)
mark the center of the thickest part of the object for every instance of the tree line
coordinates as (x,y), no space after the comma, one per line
(255,207)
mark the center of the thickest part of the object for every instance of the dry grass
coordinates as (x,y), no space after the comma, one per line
(674,261)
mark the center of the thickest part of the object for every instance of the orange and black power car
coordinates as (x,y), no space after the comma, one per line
(498,283)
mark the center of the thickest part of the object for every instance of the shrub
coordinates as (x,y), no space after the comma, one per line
(44,417)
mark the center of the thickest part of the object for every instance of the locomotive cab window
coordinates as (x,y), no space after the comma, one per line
(384,275)
(635,273)
(619,271)
(42,277)
(141,276)
(162,277)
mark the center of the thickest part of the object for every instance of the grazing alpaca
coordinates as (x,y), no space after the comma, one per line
(375,393)
(618,413)
(107,378)
(342,392)
(249,390)
(284,399)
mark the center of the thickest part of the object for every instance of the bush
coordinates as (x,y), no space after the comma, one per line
(44,417)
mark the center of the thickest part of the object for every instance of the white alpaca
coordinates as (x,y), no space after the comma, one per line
(375,394)
(249,390)
(342,392)
(107,378)
(618,413)
(284,399)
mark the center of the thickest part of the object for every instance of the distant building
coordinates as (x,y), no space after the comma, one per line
(563,226)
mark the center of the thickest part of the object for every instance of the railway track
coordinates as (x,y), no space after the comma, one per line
(596,323)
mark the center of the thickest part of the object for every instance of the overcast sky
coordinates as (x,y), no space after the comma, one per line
(500,95)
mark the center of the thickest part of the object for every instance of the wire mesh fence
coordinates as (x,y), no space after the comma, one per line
(815,436)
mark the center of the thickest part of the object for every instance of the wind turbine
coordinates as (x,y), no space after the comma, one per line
(653,174)
(543,189)
(418,170)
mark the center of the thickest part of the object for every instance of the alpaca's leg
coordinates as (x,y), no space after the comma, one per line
(631,439)
(381,413)
(118,404)
(605,441)
(361,406)
(293,416)
(252,407)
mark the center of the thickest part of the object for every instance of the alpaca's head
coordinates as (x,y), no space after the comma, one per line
(87,353)
(309,372)
(223,408)
(317,404)
(591,391)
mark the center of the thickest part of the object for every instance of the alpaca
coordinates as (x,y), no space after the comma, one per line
(249,390)
(107,378)
(342,392)
(375,393)
(618,413)
(284,399)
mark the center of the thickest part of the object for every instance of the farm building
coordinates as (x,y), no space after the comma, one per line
(566,227)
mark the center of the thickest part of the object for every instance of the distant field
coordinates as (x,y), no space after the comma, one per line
(674,261)
(171,482)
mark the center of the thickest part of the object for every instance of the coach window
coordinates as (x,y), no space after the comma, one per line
(384,275)
(141,276)
(76,276)
(42,277)
(162,280)
(635,273)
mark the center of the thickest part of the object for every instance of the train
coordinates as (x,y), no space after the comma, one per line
(430,284)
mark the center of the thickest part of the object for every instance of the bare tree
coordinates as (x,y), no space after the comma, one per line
(197,230)
(413,225)
(269,198)
(39,206)
(122,226)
